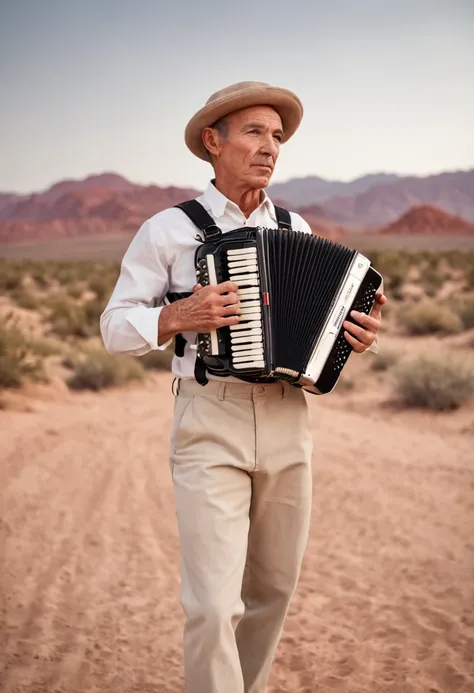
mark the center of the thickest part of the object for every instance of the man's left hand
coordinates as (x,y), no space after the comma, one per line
(362,336)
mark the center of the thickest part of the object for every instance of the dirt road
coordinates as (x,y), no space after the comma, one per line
(89,572)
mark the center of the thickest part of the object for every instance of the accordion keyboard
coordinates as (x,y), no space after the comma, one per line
(247,336)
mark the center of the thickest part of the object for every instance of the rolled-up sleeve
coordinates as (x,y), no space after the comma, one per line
(129,323)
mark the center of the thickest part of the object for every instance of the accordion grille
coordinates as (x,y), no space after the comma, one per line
(303,274)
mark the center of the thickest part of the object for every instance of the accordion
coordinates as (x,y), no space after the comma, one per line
(295,292)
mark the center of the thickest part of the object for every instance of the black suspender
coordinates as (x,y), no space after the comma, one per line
(283,218)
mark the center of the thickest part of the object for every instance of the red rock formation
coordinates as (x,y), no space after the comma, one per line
(428,219)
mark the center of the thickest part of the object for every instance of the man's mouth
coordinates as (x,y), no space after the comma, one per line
(269,168)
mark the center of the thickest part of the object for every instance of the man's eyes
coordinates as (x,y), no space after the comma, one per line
(256,131)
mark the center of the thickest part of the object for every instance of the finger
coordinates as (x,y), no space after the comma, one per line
(380,300)
(231,320)
(226,287)
(356,345)
(228,299)
(196,287)
(364,336)
(231,310)
(367,321)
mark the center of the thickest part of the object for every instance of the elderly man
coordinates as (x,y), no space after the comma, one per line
(240,452)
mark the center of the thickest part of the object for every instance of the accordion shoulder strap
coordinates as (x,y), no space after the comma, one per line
(283,218)
(202,219)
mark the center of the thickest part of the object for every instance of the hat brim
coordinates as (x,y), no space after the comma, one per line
(285,103)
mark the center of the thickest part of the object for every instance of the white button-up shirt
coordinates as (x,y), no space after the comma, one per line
(160,259)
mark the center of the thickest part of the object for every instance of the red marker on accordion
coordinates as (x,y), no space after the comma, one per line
(266,299)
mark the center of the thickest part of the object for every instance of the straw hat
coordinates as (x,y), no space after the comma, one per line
(242,95)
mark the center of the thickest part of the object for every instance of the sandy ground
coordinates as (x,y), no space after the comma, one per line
(89,547)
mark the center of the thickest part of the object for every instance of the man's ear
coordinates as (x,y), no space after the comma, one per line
(210,138)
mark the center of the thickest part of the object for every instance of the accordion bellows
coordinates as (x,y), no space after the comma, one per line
(295,292)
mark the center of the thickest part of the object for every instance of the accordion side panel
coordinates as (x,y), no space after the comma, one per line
(363,303)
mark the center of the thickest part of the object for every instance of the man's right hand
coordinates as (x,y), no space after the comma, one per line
(209,308)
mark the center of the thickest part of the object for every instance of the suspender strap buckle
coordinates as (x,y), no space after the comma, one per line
(202,219)
(211,233)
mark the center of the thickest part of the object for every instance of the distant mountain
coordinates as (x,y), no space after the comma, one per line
(428,219)
(7,202)
(311,190)
(101,204)
(382,204)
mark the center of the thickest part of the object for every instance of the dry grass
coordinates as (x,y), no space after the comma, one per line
(429,317)
(18,361)
(385,360)
(439,383)
(466,313)
(96,369)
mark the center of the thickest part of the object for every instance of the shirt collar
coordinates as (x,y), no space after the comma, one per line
(218,202)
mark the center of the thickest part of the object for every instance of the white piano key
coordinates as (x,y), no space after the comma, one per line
(253,316)
(245,282)
(244,298)
(244,347)
(247,355)
(248,292)
(250,303)
(244,325)
(241,251)
(256,339)
(246,276)
(240,269)
(246,333)
(250,364)
(245,310)
(243,261)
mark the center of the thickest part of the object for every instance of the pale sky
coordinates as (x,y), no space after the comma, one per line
(108,85)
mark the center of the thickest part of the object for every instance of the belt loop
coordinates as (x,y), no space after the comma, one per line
(175,390)
(221,392)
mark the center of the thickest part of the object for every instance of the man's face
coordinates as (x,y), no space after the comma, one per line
(250,149)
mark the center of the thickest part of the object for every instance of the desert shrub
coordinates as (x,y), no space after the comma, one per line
(393,266)
(17,362)
(437,383)
(428,317)
(66,316)
(466,313)
(384,360)
(44,347)
(92,311)
(102,285)
(157,360)
(11,276)
(469,276)
(75,289)
(432,277)
(96,369)
(24,298)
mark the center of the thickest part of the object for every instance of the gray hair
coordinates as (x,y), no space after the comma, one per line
(222,128)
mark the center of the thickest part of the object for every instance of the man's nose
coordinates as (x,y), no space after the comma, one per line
(269,147)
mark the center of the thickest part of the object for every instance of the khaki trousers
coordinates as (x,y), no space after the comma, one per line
(241,466)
